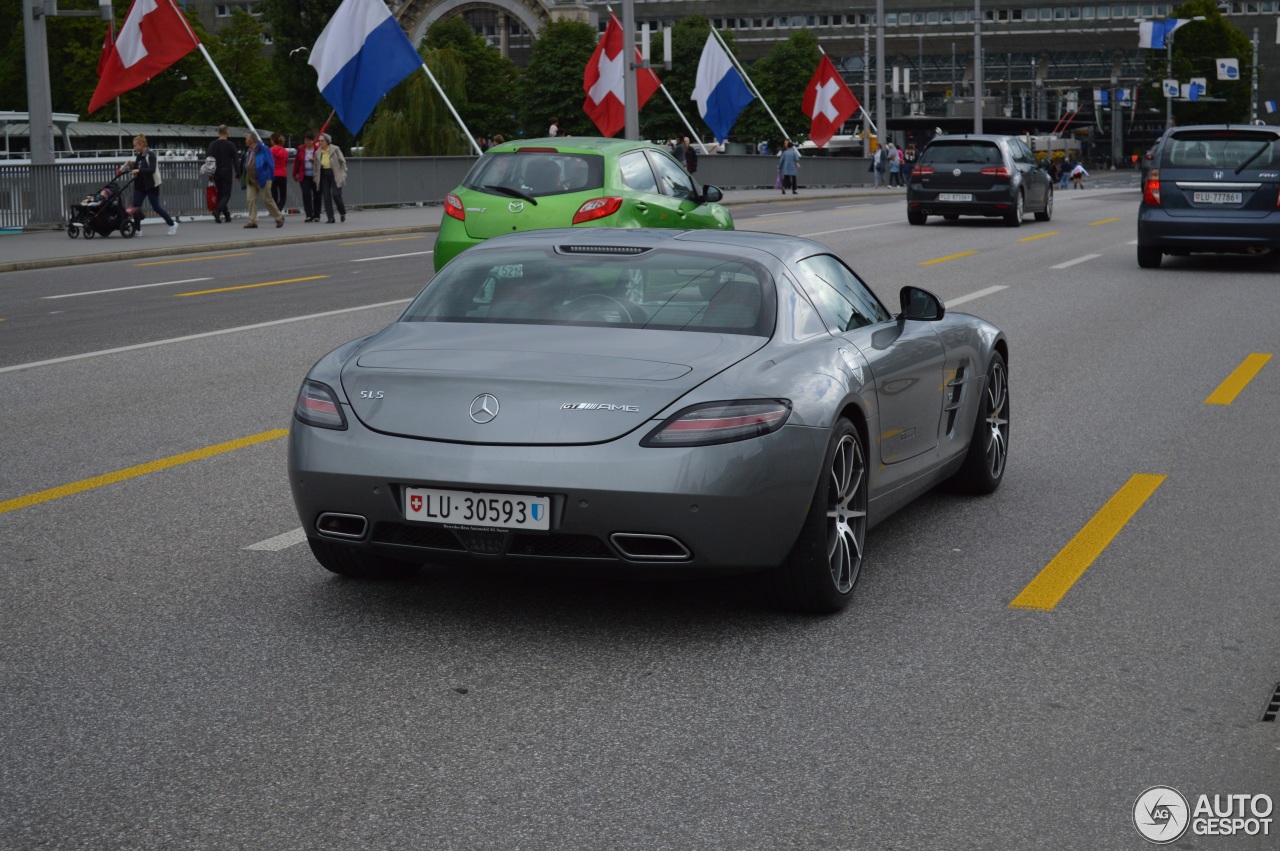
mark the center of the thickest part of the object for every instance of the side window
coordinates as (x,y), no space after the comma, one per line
(672,178)
(845,300)
(636,173)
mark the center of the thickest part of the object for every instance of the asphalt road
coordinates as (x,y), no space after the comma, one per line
(167,685)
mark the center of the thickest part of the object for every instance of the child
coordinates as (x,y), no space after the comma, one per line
(1078,174)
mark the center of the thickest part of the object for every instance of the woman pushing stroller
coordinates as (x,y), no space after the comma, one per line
(146,184)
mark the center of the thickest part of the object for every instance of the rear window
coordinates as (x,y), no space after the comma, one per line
(535,174)
(668,290)
(1221,149)
(958,152)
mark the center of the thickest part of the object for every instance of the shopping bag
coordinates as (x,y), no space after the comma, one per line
(777,184)
(211,197)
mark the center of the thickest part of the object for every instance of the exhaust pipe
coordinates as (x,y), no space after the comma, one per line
(348,526)
(640,547)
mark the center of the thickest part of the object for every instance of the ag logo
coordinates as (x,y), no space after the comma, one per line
(1161,814)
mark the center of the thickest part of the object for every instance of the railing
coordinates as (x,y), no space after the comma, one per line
(382,181)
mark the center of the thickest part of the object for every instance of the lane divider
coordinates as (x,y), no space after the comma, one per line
(1228,390)
(1071,263)
(952,302)
(280,542)
(1104,222)
(1055,580)
(391,256)
(948,258)
(385,239)
(135,287)
(195,259)
(1039,236)
(252,286)
(139,470)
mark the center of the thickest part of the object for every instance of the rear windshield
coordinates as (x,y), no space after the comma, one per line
(1221,149)
(535,174)
(966,151)
(668,290)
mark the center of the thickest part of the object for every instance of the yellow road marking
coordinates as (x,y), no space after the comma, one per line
(194,259)
(1104,222)
(1055,580)
(1039,236)
(1228,390)
(387,239)
(252,286)
(948,257)
(139,470)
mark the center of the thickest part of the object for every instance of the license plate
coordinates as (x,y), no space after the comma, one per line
(477,509)
(954,196)
(1217,197)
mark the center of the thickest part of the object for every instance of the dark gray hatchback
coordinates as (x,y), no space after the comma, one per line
(1211,188)
(976,175)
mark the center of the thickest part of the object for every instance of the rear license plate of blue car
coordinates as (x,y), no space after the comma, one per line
(954,196)
(1217,197)
(478,509)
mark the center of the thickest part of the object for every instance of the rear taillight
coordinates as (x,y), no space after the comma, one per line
(922,171)
(597,208)
(998,171)
(453,207)
(720,422)
(1151,189)
(318,406)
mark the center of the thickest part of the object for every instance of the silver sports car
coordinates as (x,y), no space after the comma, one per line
(696,399)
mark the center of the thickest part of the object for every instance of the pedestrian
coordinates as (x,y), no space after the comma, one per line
(259,166)
(146,184)
(690,156)
(893,165)
(499,139)
(1064,170)
(554,130)
(304,173)
(877,168)
(331,176)
(223,151)
(789,166)
(1078,174)
(280,177)
(677,150)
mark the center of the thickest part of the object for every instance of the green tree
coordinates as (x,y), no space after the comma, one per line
(489,80)
(1196,50)
(658,120)
(237,51)
(295,26)
(781,77)
(551,85)
(412,120)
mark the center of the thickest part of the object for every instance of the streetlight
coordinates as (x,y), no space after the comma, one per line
(1168,71)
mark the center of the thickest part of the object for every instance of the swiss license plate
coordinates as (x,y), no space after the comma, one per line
(1217,197)
(954,196)
(477,509)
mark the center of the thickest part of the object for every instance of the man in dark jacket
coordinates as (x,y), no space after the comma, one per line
(223,151)
(690,156)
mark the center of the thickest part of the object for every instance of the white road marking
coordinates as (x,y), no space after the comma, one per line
(842,230)
(122,289)
(189,337)
(952,302)
(1133,242)
(854,206)
(392,256)
(280,542)
(1077,260)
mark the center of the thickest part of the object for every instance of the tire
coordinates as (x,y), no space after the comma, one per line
(347,560)
(1047,213)
(984,464)
(823,566)
(1014,217)
(127,229)
(73,231)
(89,233)
(1148,257)
(916,218)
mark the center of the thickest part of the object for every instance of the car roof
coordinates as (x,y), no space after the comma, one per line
(979,137)
(1264,128)
(727,242)
(574,145)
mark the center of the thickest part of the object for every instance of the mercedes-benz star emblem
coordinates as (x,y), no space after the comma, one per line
(484,408)
(516,206)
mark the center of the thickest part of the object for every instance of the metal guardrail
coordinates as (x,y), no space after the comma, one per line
(382,181)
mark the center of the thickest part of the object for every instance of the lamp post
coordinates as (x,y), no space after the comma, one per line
(1168,72)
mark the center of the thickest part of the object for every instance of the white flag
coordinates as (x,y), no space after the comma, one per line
(1171,88)
(1228,69)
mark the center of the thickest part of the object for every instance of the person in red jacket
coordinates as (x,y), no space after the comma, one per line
(279,179)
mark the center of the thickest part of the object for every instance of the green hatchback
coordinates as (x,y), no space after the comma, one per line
(574,182)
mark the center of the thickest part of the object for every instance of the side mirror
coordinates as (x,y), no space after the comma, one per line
(711,194)
(920,304)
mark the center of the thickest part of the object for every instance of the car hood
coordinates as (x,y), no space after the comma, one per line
(549,384)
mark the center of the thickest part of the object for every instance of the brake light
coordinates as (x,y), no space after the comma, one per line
(597,208)
(453,207)
(1151,189)
(998,171)
(317,405)
(720,422)
(922,170)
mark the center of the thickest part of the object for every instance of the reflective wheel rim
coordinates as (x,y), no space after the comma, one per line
(997,420)
(846,513)
(1048,206)
(1020,209)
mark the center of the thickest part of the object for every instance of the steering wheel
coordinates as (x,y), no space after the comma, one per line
(598,307)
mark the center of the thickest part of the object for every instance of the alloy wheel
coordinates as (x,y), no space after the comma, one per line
(847,513)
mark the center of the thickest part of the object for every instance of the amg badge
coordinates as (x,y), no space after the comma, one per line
(598,406)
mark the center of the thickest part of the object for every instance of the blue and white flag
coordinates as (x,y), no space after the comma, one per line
(1228,69)
(720,91)
(1271,106)
(1152,34)
(361,55)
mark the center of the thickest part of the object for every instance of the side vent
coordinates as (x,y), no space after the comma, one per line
(955,395)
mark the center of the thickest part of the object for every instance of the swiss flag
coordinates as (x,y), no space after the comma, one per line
(604,82)
(155,35)
(828,101)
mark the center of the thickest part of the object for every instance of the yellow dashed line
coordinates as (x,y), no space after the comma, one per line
(252,286)
(194,259)
(1039,236)
(948,257)
(1228,390)
(1055,580)
(1104,222)
(139,470)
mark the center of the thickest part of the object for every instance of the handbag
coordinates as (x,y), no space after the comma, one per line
(777,184)
(209,167)
(211,197)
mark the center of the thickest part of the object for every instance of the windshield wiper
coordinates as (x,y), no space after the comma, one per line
(1256,154)
(514,193)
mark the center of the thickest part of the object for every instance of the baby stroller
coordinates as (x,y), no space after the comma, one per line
(103,212)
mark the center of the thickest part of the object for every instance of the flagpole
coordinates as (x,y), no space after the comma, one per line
(693,134)
(230,94)
(752,85)
(454,112)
